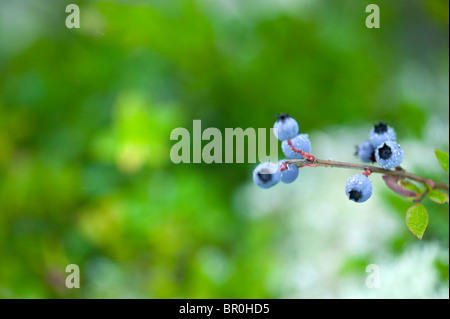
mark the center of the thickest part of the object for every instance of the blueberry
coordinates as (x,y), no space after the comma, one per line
(358,188)
(365,152)
(290,174)
(285,127)
(266,174)
(301,142)
(389,155)
(381,133)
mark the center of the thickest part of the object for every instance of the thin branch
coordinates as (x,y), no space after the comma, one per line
(373,169)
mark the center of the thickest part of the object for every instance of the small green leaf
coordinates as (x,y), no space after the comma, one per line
(442,158)
(411,186)
(438,196)
(417,219)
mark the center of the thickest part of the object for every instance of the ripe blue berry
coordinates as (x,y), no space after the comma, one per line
(301,142)
(285,127)
(358,188)
(266,174)
(389,155)
(381,133)
(365,152)
(290,174)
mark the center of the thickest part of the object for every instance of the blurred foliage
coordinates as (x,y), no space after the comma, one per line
(86,115)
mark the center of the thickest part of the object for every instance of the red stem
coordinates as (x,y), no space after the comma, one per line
(306,155)
(367,172)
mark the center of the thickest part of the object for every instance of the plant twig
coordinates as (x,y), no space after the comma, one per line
(374,169)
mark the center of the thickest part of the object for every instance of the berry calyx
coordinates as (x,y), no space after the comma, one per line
(384,152)
(381,133)
(389,155)
(282,117)
(380,128)
(285,127)
(355,195)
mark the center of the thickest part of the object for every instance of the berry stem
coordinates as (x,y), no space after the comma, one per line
(306,155)
(283,167)
(367,172)
(373,169)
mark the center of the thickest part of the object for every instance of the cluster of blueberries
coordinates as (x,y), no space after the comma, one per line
(381,147)
(268,174)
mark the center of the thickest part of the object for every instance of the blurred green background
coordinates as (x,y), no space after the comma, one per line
(85,172)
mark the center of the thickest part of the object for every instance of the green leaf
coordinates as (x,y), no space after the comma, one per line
(411,186)
(438,196)
(442,158)
(417,219)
